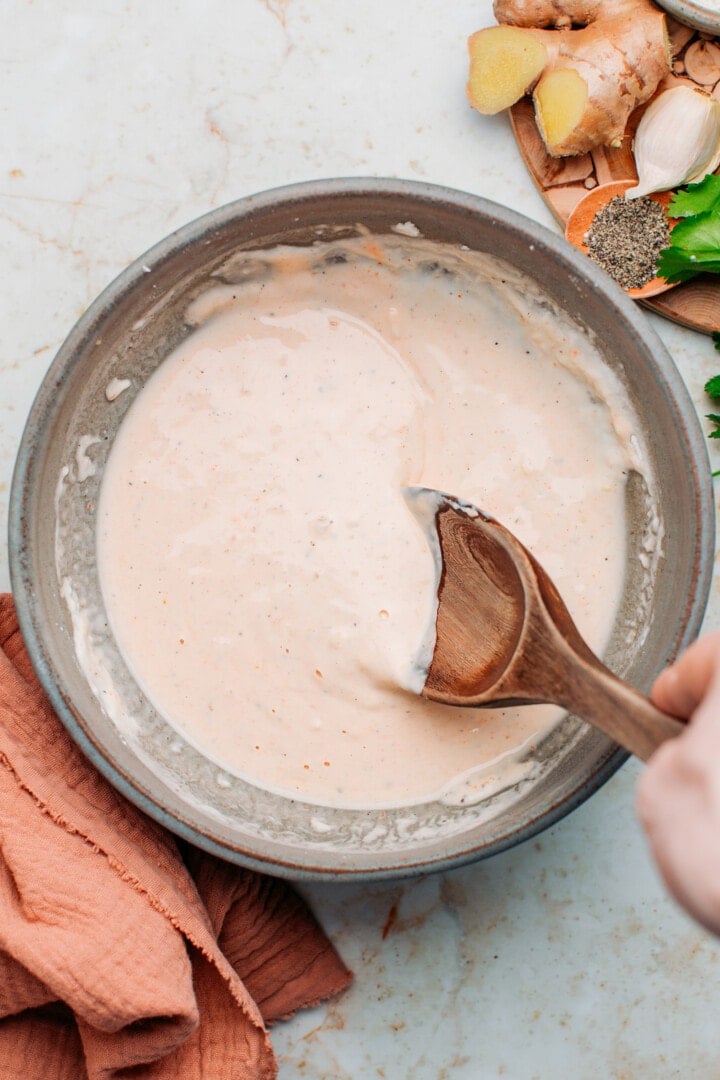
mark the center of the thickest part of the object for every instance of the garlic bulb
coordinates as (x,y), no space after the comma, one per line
(677,141)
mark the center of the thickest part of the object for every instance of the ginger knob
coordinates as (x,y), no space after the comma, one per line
(585,82)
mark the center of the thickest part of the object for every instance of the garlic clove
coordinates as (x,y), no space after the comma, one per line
(677,140)
(709,167)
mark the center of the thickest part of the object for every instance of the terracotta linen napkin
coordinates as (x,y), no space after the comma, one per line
(119,958)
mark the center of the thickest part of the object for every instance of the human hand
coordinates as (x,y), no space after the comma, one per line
(678,796)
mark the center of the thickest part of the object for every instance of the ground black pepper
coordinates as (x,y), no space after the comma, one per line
(626,238)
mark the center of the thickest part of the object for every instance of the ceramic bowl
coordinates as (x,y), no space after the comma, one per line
(126,333)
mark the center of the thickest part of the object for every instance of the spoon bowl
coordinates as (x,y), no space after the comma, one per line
(503,635)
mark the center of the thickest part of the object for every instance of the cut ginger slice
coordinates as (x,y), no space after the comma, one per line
(561,99)
(505,61)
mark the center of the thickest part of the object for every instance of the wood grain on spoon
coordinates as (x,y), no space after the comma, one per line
(505,637)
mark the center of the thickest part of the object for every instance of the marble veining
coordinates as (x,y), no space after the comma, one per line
(562,958)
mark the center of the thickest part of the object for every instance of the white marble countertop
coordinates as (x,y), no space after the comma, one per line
(562,958)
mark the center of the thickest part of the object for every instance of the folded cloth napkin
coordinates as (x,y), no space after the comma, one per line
(119,957)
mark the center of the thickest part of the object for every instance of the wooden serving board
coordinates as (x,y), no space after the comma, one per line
(564,181)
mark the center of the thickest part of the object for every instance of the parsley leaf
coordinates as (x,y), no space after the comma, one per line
(712,387)
(702,198)
(694,248)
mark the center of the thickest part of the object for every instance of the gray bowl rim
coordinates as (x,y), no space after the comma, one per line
(696,15)
(192,232)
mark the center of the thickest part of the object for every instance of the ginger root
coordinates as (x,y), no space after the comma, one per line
(585,82)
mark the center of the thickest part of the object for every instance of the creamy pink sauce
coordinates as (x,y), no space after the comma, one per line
(265,580)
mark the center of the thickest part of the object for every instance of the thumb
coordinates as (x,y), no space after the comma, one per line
(681,687)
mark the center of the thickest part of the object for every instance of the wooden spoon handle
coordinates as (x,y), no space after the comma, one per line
(623,713)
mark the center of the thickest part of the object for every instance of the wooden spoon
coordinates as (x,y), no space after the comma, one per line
(597,199)
(505,637)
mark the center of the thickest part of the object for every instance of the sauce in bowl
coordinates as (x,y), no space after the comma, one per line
(264,579)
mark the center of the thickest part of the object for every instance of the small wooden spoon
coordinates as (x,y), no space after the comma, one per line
(583,216)
(505,637)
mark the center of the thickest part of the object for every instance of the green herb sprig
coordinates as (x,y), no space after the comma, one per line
(695,240)
(695,249)
(712,389)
